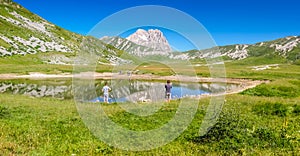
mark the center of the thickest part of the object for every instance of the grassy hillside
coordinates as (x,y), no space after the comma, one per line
(17,21)
(286,49)
(24,33)
(259,121)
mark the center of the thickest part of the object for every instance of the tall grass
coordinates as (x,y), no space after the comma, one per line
(45,126)
(279,88)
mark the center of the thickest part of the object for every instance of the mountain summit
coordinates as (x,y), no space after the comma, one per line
(153,38)
(23,33)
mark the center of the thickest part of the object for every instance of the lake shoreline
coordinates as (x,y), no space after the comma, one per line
(243,83)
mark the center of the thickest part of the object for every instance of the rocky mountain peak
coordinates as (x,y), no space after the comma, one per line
(153,38)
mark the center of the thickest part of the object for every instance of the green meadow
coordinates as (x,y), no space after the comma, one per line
(264,120)
(260,121)
(251,125)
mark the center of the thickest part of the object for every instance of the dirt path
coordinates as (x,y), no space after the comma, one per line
(243,84)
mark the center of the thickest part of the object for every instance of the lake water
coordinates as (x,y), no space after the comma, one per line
(129,91)
(151,91)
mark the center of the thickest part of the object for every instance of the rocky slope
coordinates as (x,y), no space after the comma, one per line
(126,45)
(141,43)
(22,33)
(288,47)
(152,38)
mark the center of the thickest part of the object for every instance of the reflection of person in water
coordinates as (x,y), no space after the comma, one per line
(105,91)
(168,87)
(129,75)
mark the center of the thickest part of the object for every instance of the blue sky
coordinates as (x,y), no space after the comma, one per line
(228,21)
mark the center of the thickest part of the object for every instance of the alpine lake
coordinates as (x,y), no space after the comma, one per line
(131,90)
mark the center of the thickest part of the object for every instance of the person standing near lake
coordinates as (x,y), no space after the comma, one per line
(168,88)
(105,91)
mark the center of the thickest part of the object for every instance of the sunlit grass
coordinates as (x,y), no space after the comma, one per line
(260,121)
(41,126)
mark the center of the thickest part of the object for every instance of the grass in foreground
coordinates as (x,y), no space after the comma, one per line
(260,121)
(251,125)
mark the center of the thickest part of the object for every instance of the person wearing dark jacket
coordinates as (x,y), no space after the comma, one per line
(168,88)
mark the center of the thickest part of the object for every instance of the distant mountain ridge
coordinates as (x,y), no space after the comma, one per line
(136,44)
(22,33)
(288,47)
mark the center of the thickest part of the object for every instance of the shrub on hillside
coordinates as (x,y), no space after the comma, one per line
(3,112)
